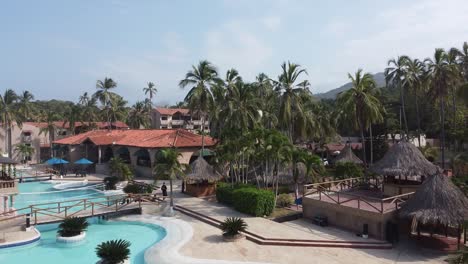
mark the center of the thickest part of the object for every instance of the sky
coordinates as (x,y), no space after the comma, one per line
(58,49)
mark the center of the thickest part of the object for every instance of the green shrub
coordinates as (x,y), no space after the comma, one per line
(284,200)
(113,251)
(138,188)
(345,170)
(224,191)
(72,226)
(111,182)
(254,202)
(233,226)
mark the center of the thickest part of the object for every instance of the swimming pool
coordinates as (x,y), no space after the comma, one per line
(47,250)
(31,193)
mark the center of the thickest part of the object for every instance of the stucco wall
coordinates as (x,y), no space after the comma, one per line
(16,138)
(347,217)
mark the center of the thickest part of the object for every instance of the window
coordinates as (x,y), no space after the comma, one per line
(163,117)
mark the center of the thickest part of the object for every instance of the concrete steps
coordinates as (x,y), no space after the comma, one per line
(258,239)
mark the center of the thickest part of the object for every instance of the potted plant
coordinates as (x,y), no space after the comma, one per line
(113,252)
(232,226)
(72,229)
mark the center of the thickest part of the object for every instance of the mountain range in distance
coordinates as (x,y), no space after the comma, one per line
(378,77)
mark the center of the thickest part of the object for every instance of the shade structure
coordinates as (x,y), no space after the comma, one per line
(437,201)
(347,155)
(206,153)
(84,161)
(202,171)
(55,161)
(405,160)
(6,160)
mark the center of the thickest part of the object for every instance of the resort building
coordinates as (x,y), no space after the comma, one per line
(137,147)
(35,135)
(174,118)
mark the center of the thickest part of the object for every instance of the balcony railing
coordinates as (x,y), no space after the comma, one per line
(10,186)
(27,138)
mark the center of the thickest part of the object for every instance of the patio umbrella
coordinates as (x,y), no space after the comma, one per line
(83,161)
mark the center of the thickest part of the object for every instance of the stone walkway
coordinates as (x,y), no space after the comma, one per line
(207,242)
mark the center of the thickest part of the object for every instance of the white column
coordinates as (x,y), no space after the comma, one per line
(12,200)
(5,204)
(99,155)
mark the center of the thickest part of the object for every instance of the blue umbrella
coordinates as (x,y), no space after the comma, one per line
(83,161)
(54,161)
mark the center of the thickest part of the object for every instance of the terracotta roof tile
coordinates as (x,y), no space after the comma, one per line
(151,138)
(172,111)
(100,125)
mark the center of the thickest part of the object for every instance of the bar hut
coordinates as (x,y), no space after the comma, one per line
(202,178)
(437,211)
(347,155)
(403,168)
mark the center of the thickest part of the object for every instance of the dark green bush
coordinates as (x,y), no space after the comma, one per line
(72,226)
(254,202)
(233,226)
(111,182)
(345,170)
(113,251)
(224,191)
(138,188)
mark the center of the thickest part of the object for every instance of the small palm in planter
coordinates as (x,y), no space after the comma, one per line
(72,226)
(113,251)
(232,227)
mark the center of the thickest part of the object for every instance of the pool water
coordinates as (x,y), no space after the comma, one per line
(47,250)
(40,192)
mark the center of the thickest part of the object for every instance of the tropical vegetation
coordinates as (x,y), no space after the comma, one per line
(233,226)
(72,226)
(113,251)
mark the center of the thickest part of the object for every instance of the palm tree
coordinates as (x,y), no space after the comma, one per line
(24,150)
(72,116)
(169,167)
(104,94)
(138,116)
(394,75)
(360,104)
(415,78)
(117,109)
(290,90)
(89,108)
(441,74)
(10,115)
(50,118)
(241,109)
(150,90)
(25,106)
(201,78)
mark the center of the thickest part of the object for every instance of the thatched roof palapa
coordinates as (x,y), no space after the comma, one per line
(6,160)
(404,160)
(347,155)
(202,171)
(437,201)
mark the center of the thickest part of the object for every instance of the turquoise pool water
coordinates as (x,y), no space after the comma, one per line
(40,192)
(47,250)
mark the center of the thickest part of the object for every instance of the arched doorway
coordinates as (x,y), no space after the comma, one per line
(143,158)
(124,154)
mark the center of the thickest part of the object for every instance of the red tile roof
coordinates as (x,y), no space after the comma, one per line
(172,111)
(100,125)
(151,138)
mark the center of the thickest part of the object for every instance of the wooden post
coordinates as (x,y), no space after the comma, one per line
(35,217)
(84,204)
(58,207)
(116,206)
(381,206)
(359,202)
(66,211)
(338,197)
(92,208)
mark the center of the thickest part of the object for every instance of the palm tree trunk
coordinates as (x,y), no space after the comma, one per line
(402,98)
(418,120)
(363,144)
(442,134)
(171,195)
(371,145)
(10,152)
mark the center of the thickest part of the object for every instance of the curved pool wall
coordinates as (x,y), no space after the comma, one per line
(47,250)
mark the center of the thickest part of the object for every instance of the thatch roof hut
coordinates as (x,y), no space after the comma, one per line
(200,171)
(347,155)
(437,201)
(404,160)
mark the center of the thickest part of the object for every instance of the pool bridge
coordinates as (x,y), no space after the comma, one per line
(52,212)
